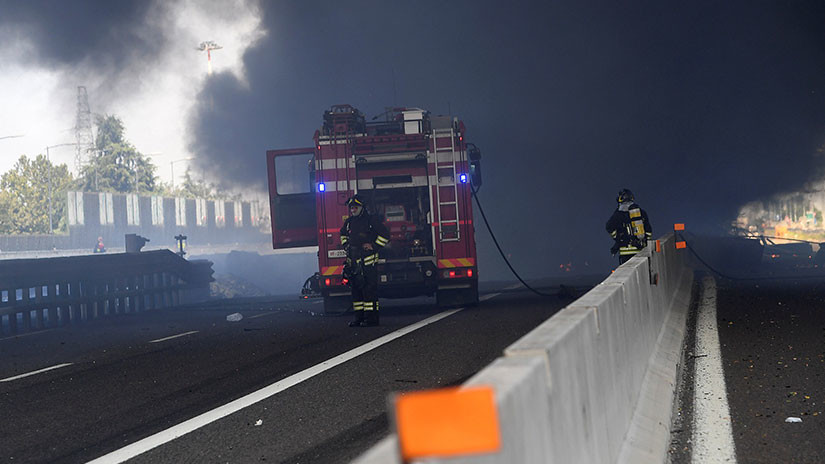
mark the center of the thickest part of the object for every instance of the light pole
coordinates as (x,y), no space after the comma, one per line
(48,159)
(172,165)
(207,47)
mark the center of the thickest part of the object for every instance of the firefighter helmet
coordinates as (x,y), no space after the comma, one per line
(624,195)
(355,200)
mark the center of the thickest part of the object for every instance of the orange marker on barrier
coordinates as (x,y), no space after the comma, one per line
(447,422)
(680,245)
(658,246)
(678,227)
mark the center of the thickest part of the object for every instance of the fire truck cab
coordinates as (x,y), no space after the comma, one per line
(416,172)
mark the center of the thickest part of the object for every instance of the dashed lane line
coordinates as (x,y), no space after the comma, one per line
(165,436)
(261,315)
(712,430)
(174,336)
(39,371)
(26,334)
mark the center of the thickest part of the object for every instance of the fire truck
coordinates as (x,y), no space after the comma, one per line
(416,172)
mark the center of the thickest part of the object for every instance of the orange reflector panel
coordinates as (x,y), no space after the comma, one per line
(678,227)
(447,422)
(658,246)
(680,245)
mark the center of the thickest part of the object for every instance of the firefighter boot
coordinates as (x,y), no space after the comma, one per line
(358,308)
(359,319)
(371,317)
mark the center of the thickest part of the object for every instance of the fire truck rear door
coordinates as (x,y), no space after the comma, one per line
(291,176)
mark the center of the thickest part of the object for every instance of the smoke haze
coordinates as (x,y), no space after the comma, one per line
(697,107)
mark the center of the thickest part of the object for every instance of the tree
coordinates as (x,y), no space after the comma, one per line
(24,196)
(116,165)
(200,189)
(195,188)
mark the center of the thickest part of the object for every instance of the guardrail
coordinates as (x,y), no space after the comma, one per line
(595,382)
(47,292)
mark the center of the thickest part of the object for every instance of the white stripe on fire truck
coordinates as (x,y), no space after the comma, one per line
(333,164)
(338,140)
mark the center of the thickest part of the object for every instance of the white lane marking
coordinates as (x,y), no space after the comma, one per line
(260,315)
(514,286)
(165,436)
(174,336)
(26,334)
(712,431)
(39,371)
(488,296)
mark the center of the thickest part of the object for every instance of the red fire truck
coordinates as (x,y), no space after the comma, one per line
(415,171)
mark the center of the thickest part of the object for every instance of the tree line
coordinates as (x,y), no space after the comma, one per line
(115,165)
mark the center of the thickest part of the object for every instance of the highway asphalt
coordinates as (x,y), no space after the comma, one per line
(772,338)
(116,381)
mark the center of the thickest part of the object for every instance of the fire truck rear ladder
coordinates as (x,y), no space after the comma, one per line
(438,177)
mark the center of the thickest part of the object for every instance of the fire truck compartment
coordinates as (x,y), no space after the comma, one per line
(405,213)
(407,278)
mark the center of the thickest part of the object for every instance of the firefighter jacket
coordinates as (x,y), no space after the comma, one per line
(630,229)
(361,229)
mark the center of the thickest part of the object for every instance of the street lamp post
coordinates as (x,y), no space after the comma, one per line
(48,159)
(172,165)
(136,165)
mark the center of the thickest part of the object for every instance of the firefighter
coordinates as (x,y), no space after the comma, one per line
(362,235)
(628,226)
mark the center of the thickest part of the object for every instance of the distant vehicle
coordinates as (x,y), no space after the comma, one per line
(794,253)
(416,172)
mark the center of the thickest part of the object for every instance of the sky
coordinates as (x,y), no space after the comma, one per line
(137,60)
(698,107)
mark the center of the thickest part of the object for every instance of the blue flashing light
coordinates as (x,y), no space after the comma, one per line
(322,187)
(463,178)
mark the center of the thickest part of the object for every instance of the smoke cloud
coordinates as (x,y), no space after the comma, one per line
(697,107)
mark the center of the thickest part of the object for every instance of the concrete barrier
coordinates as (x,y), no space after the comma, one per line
(595,382)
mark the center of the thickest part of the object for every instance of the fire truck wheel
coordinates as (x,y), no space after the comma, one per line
(457,297)
(337,305)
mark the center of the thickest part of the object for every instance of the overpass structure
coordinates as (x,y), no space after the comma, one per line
(91,215)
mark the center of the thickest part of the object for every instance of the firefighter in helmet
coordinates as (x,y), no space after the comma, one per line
(362,236)
(628,226)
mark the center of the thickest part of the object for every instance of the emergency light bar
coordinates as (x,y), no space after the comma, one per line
(322,187)
(463,178)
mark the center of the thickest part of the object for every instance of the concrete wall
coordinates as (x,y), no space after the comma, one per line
(595,382)
(84,236)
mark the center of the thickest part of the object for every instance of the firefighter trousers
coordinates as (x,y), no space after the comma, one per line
(365,297)
(625,258)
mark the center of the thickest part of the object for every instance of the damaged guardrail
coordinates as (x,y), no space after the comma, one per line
(595,382)
(47,292)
